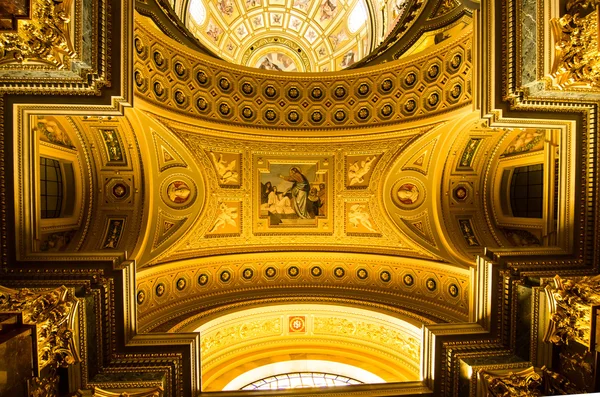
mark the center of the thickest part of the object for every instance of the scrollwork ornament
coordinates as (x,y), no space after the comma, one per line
(52,312)
(570,305)
(44,38)
(577,59)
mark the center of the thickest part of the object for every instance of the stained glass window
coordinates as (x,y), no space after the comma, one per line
(295,380)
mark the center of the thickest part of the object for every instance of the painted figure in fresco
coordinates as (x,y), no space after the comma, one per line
(408,193)
(358,170)
(348,59)
(225,170)
(113,238)
(178,192)
(265,190)
(268,65)
(225,6)
(322,199)
(314,204)
(524,141)
(358,216)
(278,203)
(252,3)
(301,4)
(327,10)
(299,190)
(227,216)
(214,32)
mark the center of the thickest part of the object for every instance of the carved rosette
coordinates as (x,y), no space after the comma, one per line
(571,303)
(53,314)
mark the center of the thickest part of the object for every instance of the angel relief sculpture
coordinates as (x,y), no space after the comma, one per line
(358,170)
(226,170)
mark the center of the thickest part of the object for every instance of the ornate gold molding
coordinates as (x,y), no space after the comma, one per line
(577,59)
(572,304)
(53,314)
(44,38)
(528,382)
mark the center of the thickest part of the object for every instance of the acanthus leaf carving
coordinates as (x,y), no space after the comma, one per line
(52,312)
(571,303)
(44,38)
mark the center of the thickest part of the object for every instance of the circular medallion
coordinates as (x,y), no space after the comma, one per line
(316,93)
(408,280)
(339,92)
(270,115)
(456,91)
(431,284)
(363,89)
(203,279)
(433,99)
(224,84)
(202,104)
(178,191)
(179,97)
(297,323)
(433,71)
(387,110)
(247,112)
(461,193)
(362,274)
(225,276)
(224,109)
(293,116)
(247,88)
(159,90)
(408,193)
(139,78)
(293,93)
(385,276)
(316,271)
(120,190)
(339,272)
(141,296)
(179,69)
(160,289)
(270,272)
(339,115)
(387,85)
(201,77)
(410,105)
(453,290)
(247,274)
(410,79)
(139,46)
(270,91)
(456,61)
(363,113)
(316,116)
(159,60)
(293,271)
(181,284)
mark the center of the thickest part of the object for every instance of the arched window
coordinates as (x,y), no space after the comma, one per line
(526,191)
(51,185)
(297,380)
